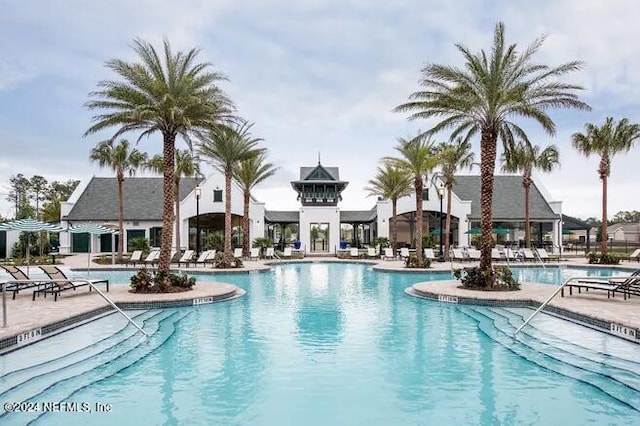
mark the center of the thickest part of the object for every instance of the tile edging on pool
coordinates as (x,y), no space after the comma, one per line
(10,343)
(566,314)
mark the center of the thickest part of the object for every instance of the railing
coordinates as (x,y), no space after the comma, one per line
(90,283)
(555,293)
(539,258)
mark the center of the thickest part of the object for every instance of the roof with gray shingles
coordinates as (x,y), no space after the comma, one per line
(508,198)
(142,199)
(348,216)
(282,216)
(306,171)
(571,223)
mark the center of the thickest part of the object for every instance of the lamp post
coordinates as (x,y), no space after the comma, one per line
(441,195)
(198,192)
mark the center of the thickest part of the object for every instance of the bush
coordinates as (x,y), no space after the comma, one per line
(226,261)
(262,243)
(142,281)
(603,259)
(182,281)
(214,241)
(475,279)
(146,282)
(381,241)
(412,262)
(139,244)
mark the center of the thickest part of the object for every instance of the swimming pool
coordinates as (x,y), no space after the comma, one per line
(320,344)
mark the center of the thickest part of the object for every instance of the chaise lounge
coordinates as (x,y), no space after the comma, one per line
(629,285)
(18,275)
(63,283)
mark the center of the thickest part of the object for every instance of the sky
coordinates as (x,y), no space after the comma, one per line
(319,76)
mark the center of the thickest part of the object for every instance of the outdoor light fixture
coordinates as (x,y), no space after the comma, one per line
(198,192)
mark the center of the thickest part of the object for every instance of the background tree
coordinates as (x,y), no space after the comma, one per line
(122,159)
(606,141)
(453,157)
(61,190)
(19,187)
(483,97)
(624,216)
(224,147)
(51,210)
(524,158)
(172,94)
(186,166)
(417,159)
(248,174)
(391,183)
(38,185)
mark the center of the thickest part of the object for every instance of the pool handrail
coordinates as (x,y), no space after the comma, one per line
(90,283)
(555,293)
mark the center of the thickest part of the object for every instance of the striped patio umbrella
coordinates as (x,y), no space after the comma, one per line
(92,229)
(29,225)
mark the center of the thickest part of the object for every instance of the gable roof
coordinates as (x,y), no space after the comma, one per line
(571,223)
(627,228)
(142,199)
(508,198)
(332,172)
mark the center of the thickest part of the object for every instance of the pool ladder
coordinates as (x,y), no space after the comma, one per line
(90,283)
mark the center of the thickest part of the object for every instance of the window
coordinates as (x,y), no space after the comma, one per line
(425,195)
(217,195)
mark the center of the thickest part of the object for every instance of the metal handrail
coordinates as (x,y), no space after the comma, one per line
(546,302)
(539,258)
(90,283)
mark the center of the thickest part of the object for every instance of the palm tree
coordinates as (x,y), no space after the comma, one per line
(121,159)
(51,209)
(186,166)
(453,157)
(391,183)
(606,141)
(524,158)
(417,159)
(248,174)
(483,98)
(171,94)
(224,147)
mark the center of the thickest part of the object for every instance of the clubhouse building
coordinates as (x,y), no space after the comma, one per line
(318,225)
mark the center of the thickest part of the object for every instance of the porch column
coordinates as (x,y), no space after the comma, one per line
(556,236)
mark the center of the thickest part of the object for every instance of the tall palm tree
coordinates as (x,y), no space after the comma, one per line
(417,158)
(453,157)
(51,209)
(172,94)
(248,174)
(391,183)
(524,158)
(224,147)
(122,159)
(606,141)
(186,166)
(484,97)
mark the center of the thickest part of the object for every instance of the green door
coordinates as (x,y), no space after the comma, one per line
(134,233)
(80,243)
(3,244)
(105,243)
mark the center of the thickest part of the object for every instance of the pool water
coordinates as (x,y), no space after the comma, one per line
(325,344)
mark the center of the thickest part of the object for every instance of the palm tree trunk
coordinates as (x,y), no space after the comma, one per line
(178,224)
(604,237)
(120,179)
(394,224)
(227,211)
(419,190)
(487,167)
(448,224)
(527,220)
(245,224)
(168,189)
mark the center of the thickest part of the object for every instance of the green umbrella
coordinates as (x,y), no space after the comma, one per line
(500,231)
(436,231)
(29,225)
(92,229)
(567,231)
(474,231)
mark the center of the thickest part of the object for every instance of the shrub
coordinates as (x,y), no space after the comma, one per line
(474,278)
(139,244)
(226,261)
(603,259)
(214,241)
(412,262)
(182,281)
(381,241)
(142,281)
(146,282)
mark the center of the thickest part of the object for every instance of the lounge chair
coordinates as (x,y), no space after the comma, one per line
(354,252)
(474,254)
(372,252)
(136,257)
(627,285)
(254,253)
(404,253)
(202,259)
(509,254)
(186,258)
(429,254)
(237,253)
(545,256)
(458,255)
(527,255)
(287,252)
(58,287)
(496,254)
(17,274)
(388,254)
(152,257)
(270,253)
(635,255)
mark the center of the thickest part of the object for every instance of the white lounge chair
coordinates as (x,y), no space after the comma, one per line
(635,255)
(136,257)
(546,257)
(354,252)
(152,257)
(269,253)
(388,254)
(186,258)
(429,254)
(372,252)
(509,254)
(202,259)
(458,255)
(474,254)
(496,254)
(528,255)
(404,253)
(287,252)
(254,254)
(237,253)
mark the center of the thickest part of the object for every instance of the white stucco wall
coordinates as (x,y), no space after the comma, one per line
(320,214)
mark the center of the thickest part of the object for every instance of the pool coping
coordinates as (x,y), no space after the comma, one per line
(624,331)
(27,337)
